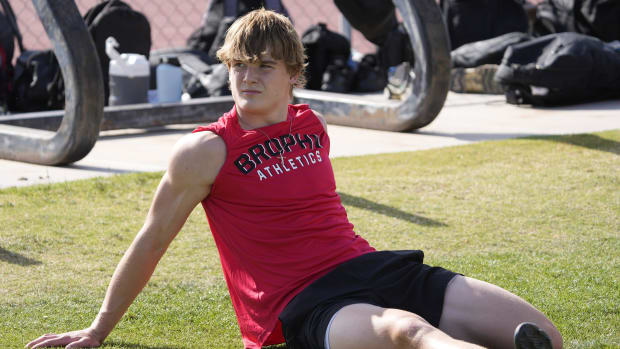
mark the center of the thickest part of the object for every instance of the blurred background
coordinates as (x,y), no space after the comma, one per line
(172,22)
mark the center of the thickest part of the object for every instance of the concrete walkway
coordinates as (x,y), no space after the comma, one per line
(465,118)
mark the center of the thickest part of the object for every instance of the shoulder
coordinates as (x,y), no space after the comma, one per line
(321,119)
(197,158)
(306,112)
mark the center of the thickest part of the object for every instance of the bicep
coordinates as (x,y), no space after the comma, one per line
(173,202)
(191,171)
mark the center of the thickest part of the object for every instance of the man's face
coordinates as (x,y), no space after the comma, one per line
(260,87)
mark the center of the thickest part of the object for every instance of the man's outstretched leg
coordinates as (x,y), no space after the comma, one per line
(479,312)
(360,326)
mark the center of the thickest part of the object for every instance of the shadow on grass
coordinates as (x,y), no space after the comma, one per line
(387,210)
(122,344)
(589,141)
(99,169)
(16,258)
(151,131)
(472,137)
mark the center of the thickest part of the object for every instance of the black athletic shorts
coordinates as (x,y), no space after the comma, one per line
(388,279)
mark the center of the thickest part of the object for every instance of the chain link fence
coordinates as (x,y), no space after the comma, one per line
(172,22)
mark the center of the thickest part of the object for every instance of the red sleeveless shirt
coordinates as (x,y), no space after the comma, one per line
(278,222)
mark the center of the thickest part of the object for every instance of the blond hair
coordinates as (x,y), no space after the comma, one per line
(262,31)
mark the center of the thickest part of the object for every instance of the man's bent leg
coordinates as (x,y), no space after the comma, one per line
(360,326)
(479,312)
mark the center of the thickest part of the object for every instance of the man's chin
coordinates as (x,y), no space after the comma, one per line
(250,106)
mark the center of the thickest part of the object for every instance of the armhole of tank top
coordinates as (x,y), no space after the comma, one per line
(323,127)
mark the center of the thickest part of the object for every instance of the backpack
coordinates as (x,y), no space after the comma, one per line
(323,48)
(130,28)
(211,77)
(561,69)
(338,76)
(35,83)
(8,34)
(370,75)
(598,18)
(38,83)
(220,14)
(6,56)
(475,20)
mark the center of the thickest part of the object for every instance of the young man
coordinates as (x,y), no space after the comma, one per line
(294,266)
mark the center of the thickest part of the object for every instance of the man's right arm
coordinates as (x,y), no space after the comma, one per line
(194,165)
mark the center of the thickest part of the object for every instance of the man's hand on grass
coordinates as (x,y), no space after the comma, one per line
(75,339)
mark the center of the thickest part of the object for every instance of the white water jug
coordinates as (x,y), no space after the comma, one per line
(129,76)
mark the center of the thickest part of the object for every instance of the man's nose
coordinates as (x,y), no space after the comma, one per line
(250,74)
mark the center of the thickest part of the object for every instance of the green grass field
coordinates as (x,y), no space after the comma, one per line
(538,216)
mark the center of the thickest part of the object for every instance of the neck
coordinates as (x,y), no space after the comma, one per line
(249,121)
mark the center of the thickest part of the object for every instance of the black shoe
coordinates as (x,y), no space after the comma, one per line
(530,336)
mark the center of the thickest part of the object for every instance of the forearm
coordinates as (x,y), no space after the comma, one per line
(131,275)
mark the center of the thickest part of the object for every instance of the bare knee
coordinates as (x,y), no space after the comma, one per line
(360,326)
(409,332)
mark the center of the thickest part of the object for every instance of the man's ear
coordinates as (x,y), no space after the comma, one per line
(293,80)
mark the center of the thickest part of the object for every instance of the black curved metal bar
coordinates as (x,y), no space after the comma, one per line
(84,97)
(430,43)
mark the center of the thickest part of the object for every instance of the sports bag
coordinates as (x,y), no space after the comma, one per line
(323,48)
(561,69)
(370,75)
(35,83)
(208,38)
(8,33)
(130,28)
(38,83)
(220,14)
(474,20)
(7,46)
(598,18)
(490,51)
